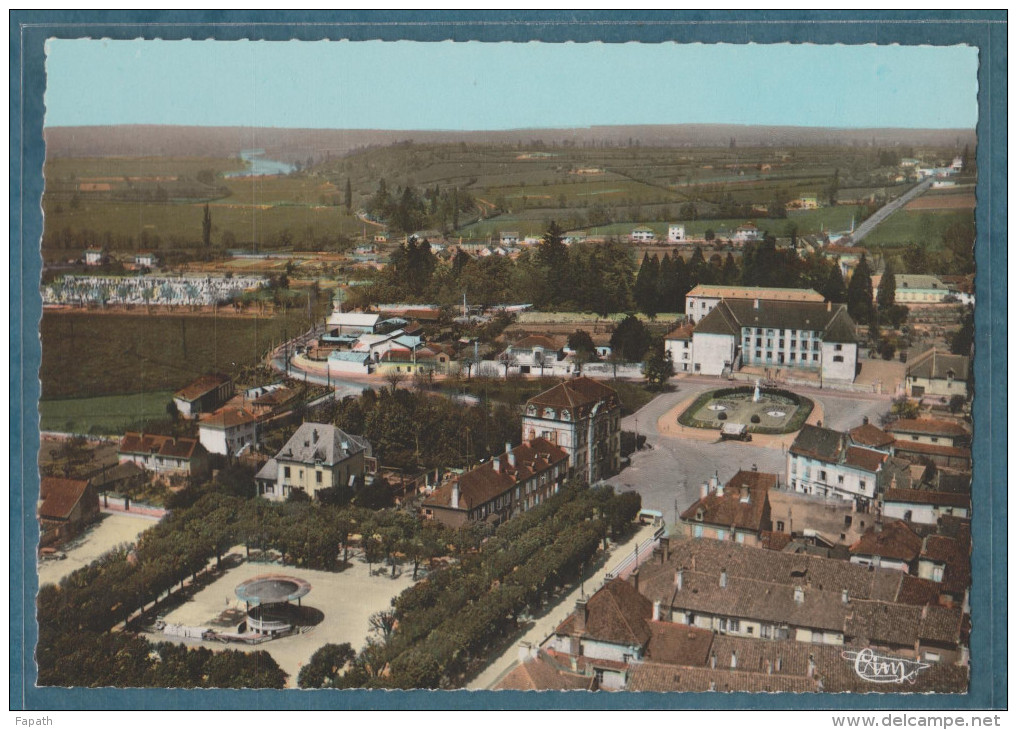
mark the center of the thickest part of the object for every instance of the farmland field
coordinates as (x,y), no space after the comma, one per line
(924,227)
(87,355)
(103,415)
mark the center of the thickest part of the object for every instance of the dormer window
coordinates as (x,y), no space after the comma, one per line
(565,415)
(531,410)
(549,413)
(699,515)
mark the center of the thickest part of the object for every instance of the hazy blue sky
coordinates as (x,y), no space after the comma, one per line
(409,85)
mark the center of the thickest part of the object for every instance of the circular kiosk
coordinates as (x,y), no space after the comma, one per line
(269,598)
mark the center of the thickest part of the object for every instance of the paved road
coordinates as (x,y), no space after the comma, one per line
(869,224)
(673,468)
(549,620)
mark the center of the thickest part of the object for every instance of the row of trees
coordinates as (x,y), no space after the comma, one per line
(662,284)
(439,626)
(407,211)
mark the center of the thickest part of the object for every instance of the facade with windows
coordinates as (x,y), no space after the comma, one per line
(827,463)
(505,486)
(778,335)
(583,417)
(318,456)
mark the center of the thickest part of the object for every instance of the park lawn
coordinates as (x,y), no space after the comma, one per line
(924,227)
(87,355)
(104,415)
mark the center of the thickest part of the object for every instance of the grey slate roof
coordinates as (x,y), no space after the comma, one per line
(820,443)
(936,364)
(322,442)
(730,315)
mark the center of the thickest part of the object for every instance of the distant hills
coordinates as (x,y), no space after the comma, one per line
(300,144)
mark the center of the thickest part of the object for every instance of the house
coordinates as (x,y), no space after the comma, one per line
(946,561)
(318,456)
(509,238)
(268,400)
(675,233)
(431,358)
(348,361)
(118,478)
(871,436)
(890,544)
(538,671)
(826,463)
(203,395)
(357,323)
(919,289)
(379,237)
(954,457)
(164,455)
(702,298)
(95,257)
(229,431)
(930,431)
(746,233)
(583,416)
(739,511)
(533,353)
(609,630)
(66,506)
(146,259)
(747,592)
(807,202)
(505,486)
(678,343)
(642,234)
(924,506)
(936,373)
(775,334)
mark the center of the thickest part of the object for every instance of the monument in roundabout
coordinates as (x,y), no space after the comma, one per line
(269,601)
(737,412)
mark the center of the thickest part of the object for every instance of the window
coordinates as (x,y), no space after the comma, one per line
(840,479)
(758,354)
(931,656)
(838,358)
(318,477)
(750,630)
(286,472)
(861,484)
(769,343)
(764,631)
(698,532)
(781,343)
(815,358)
(838,348)
(822,475)
(935,440)
(759,342)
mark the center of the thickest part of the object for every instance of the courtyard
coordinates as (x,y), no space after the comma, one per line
(346,601)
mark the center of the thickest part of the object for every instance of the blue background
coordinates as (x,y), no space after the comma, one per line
(986,30)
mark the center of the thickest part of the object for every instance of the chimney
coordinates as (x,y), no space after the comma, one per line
(635,579)
(723,579)
(715,483)
(511,454)
(704,490)
(526,651)
(713,660)
(665,544)
(844,596)
(679,579)
(812,666)
(496,464)
(746,497)
(656,610)
(582,614)
(829,306)
(799,595)
(780,662)
(865,420)
(734,660)
(455,495)
(755,304)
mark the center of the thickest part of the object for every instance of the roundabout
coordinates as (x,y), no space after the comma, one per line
(760,410)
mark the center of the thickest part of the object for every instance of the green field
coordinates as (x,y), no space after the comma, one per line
(924,227)
(104,415)
(86,355)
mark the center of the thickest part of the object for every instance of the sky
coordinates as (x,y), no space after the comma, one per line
(481,86)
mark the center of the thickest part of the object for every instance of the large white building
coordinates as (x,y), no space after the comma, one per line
(583,417)
(827,463)
(702,298)
(228,431)
(811,336)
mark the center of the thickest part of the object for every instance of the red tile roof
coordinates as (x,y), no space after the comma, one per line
(616,614)
(60,496)
(731,509)
(574,393)
(917,447)
(681,333)
(149,443)
(869,435)
(865,458)
(926,496)
(895,541)
(201,386)
(929,426)
(483,484)
(678,644)
(539,673)
(228,417)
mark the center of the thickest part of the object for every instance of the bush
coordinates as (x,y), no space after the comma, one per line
(755,418)
(722,416)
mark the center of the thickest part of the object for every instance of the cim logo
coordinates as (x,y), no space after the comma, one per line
(873,667)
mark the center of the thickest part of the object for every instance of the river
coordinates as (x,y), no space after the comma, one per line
(258,165)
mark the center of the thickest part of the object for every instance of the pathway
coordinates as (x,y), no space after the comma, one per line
(620,562)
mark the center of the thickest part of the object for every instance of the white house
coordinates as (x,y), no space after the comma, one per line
(924,506)
(746,233)
(228,431)
(147,259)
(95,257)
(642,235)
(678,342)
(827,463)
(936,373)
(532,354)
(353,322)
(348,361)
(509,238)
(675,233)
(318,456)
(169,455)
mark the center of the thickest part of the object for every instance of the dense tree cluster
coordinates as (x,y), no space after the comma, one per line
(458,613)
(407,211)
